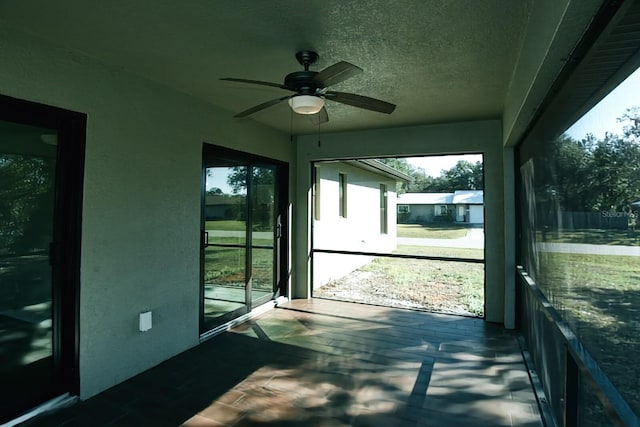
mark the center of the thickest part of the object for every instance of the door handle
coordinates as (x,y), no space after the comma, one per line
(53,254)
(204,239)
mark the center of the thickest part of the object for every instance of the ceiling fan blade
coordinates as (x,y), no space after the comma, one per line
(320,118)
(360,101)
(262,106)
(255,82)
(336,73)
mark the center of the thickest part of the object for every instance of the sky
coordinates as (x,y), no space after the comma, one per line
(434,165)
(602,117)
(218,178)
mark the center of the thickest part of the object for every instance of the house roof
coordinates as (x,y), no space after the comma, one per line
(425,199)
(468,197)
(380,168)
(459,197)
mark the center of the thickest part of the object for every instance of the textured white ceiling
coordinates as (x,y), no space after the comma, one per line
(439,61)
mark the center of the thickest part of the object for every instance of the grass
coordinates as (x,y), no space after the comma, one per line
(226,266)
(439,286)
(431,231)
(599,296)
(226,225)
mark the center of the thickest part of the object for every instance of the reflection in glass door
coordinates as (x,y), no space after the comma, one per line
(27,200)
(263,233)
(240,260)
(225,252)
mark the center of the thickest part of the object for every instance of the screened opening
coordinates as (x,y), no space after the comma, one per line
(413,237)
(579,204)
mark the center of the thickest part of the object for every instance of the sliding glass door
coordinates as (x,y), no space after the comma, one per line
(240,235)
(39,244)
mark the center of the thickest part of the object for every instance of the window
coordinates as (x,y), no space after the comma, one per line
(442,210)
(404,209)
(342,182)
(383,209)
(316,192)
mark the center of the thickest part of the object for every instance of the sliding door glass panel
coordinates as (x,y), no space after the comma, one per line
(241,234)
(263,216)
(225,254)
(27,193)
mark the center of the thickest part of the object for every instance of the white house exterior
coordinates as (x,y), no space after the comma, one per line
(461,206)
(355,210)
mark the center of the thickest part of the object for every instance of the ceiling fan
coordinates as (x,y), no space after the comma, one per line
(310,89)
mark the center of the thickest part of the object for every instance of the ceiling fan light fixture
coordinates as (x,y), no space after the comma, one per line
(306,104)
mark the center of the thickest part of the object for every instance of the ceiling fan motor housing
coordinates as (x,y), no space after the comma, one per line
(300,81)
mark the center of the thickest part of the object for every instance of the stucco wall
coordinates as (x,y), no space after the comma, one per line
(360,230)
(141,209)
(455,138)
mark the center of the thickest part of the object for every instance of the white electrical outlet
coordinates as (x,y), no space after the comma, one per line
(145,321)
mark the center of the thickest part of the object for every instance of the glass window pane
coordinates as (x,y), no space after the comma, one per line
(226,204)
(27,192)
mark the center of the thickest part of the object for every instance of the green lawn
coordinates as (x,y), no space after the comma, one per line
(225,225)
(431,231)
(226,266)
(599,296)
(437,285)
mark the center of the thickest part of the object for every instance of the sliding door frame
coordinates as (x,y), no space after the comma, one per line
(65,251)
(281,237)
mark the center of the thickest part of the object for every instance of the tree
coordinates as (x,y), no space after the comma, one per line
(615,164)
(593,175)
(566,172)
(26,202)
(263,192)
(419,178)
(464,176)
(631,116)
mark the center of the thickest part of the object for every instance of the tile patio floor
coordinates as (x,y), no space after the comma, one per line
(328,363)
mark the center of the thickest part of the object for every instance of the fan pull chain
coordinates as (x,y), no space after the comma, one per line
(290,125)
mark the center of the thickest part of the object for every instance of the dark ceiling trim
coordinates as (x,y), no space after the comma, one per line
(607,53)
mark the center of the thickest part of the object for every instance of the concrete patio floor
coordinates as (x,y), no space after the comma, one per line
(328,363)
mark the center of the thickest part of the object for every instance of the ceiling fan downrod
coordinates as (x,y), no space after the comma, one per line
(307,58)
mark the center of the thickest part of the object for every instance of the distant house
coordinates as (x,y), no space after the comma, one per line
(354,209)
(461,206)
(224,207)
